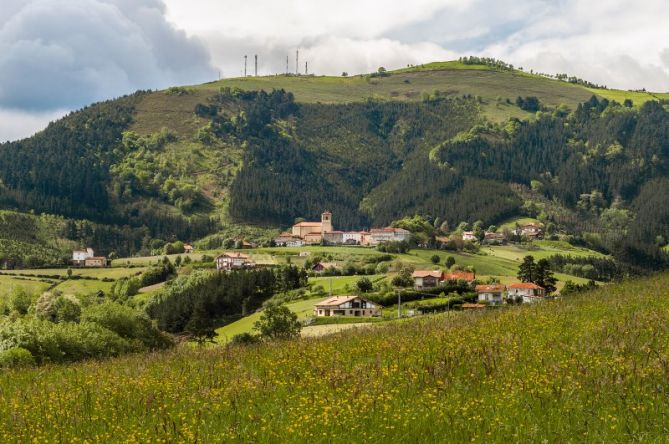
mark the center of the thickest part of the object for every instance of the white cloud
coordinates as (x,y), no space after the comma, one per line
(16,124)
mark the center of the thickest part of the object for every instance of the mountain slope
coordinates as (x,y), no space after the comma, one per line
(192,161)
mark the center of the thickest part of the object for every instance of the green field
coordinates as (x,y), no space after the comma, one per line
(591,368)
(31,286)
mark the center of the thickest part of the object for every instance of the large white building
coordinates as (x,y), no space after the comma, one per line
(388,234)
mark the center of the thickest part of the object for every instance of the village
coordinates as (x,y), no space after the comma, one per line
(305,235)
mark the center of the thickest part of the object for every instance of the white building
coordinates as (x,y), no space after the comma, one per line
(528,291)
(492,294)
(469,236)
(388,234)
(79,256)
(233,261)
(347,306)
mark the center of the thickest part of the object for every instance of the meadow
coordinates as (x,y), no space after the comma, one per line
(591,368)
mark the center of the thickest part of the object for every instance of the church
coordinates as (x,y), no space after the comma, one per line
(313,232)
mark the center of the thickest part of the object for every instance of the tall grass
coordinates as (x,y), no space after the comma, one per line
(589,369)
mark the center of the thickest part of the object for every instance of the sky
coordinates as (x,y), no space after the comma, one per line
(60,55)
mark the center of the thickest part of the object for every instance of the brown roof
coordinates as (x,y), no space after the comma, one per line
(308,224)
(337,300)
(427,273)
(526,285)
(472,306)
(494,288)
(460,275)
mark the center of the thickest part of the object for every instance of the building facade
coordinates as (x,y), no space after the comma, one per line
(347,306)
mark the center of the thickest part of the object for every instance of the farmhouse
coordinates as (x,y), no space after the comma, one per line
(468,236)
(531,231)
(467,276)
(427,279)
(87,258)
(288,240)
(188,248)
(233,261)
(492,294)
(347,306)
(528,291)
(492,238)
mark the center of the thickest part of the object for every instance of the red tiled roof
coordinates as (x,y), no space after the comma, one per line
(460,275)
(336,301)
(308,224)
(494,288)
(526,285)
(472,306)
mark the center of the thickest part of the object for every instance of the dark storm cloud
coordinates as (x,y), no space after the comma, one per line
(57,54)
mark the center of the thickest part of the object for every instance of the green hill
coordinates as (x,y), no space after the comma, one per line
(445,140)
(589,368)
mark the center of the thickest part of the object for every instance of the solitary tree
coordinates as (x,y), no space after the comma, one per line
(278,322)
(450,261)
(527,270)
(435,259)
(544,276)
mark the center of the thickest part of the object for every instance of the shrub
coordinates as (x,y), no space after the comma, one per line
(127,323)
(64,342)
(244,339)
(16,357)
(20,300)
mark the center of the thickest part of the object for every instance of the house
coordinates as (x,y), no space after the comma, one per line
(526,291)
(531,231)
(466,276)
(312,232)
(248,245)
(380,235)
(322,266)
(353,237)
(79,257)
(233,261)
(288,240)
(95,262)
(492,294)
(468,236)
(347,306)
(427,279)
(492,238)
(188,248)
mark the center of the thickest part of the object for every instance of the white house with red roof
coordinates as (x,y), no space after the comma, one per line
(347,306)
(492,294)
(528,291)
(233,261)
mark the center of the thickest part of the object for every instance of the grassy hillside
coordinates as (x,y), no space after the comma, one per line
(592,368)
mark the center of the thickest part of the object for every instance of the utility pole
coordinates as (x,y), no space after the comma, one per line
(297,62)
(306,68)
(245,59)
(256,65)
(287,68)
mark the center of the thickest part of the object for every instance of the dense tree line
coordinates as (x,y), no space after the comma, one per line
(591,267)
(196,301)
